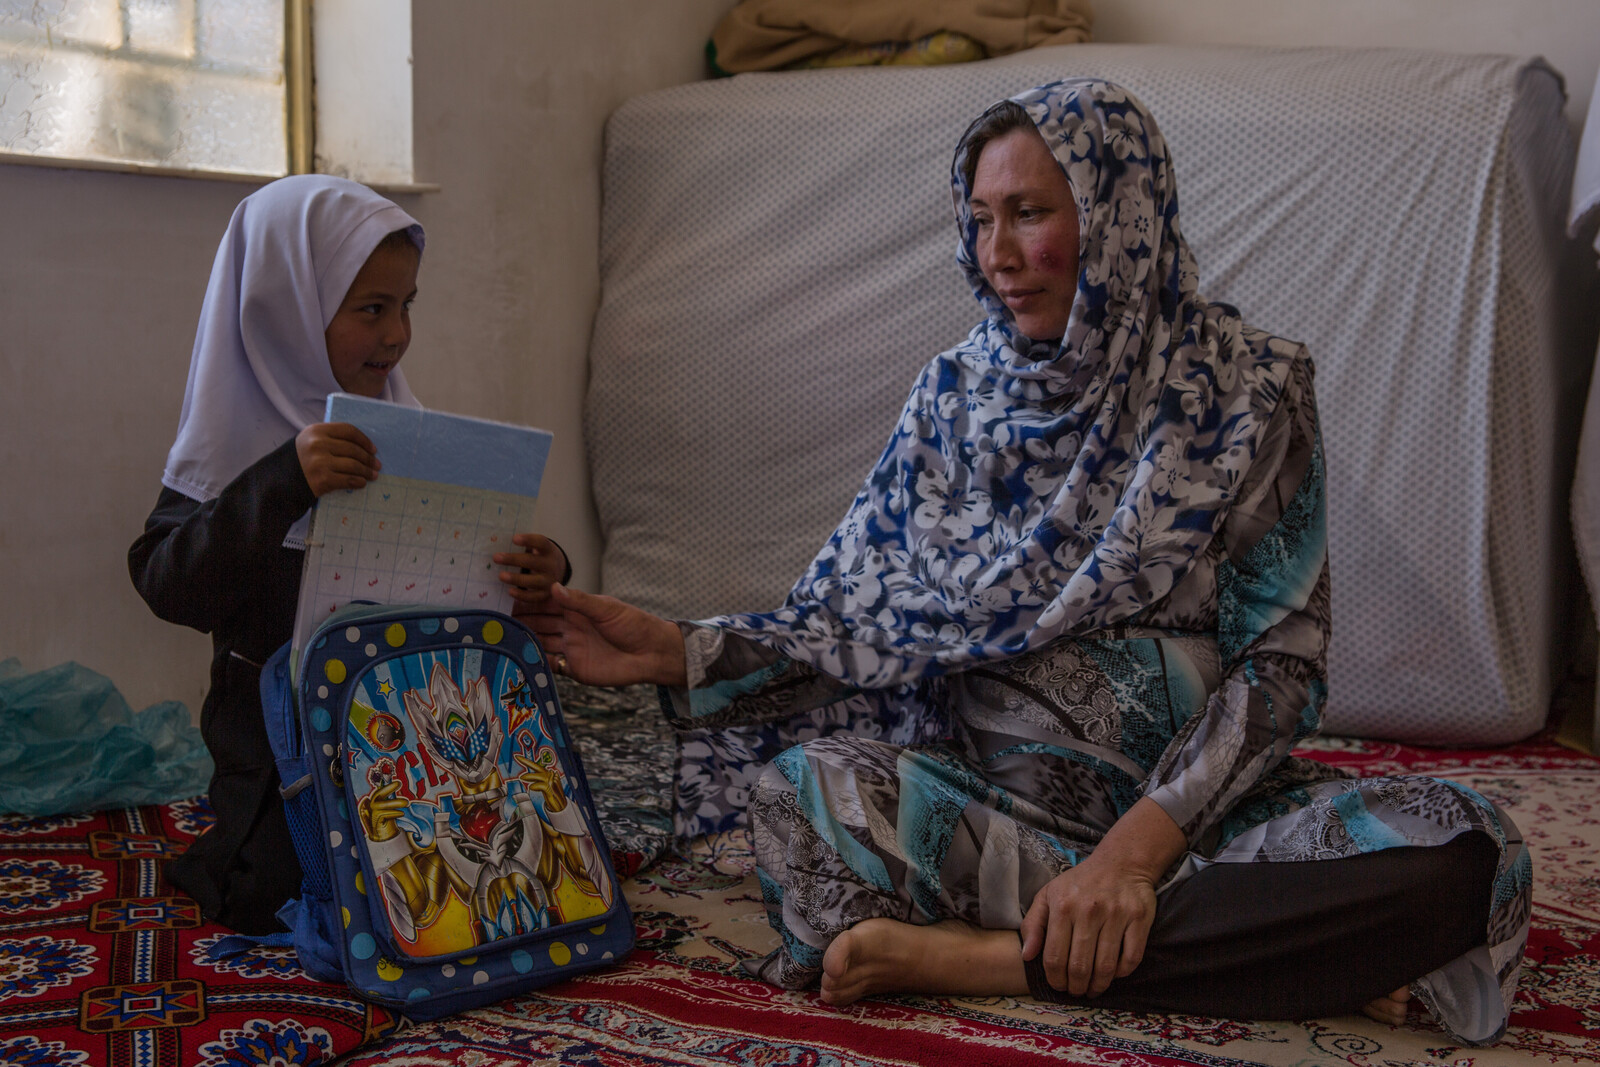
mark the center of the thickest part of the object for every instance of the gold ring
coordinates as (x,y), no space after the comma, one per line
(561,664)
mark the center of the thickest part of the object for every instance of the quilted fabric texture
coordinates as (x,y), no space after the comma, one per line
(778,260)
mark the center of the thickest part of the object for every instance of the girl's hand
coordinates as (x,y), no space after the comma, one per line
(335,455)
(1092,922)
(600,640)
(538,568)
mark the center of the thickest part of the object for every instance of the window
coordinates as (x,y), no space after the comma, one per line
(167,84)
(218,87)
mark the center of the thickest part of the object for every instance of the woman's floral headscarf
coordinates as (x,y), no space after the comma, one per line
(1036,490)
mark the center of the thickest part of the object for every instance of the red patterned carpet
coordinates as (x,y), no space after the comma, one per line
(98,965)
(681,998)
(101,965)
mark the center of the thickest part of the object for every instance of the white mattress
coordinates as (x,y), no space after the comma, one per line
(777,262)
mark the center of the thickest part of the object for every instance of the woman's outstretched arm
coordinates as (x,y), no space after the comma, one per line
(606,641)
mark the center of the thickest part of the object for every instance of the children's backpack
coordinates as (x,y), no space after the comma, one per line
(449,845)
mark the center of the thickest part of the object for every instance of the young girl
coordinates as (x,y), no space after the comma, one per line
(310,293)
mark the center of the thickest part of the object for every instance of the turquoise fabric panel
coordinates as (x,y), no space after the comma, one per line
(710,699)
(814,805)
(1277,575)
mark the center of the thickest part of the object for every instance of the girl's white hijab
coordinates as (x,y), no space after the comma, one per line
(259,373)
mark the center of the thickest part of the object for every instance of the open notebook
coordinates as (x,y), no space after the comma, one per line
(452,492)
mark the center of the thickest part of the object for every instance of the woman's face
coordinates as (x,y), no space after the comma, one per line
(1027,232)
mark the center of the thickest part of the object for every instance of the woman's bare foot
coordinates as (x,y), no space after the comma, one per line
(949,958)
(1389,1009)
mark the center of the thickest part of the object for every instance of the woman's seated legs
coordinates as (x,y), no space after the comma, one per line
(1304,939)
(889,869)
(1319,938)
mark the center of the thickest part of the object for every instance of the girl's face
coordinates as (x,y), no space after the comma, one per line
(372,328)
(1027,232)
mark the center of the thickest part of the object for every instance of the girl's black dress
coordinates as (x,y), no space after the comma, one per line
(221,567)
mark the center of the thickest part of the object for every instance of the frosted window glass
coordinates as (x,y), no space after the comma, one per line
(91,22)
(188,84)
(161,27)
(241,36)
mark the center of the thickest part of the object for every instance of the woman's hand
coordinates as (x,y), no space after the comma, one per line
(600,640)
(538,568)
(1092,921)
(335,455)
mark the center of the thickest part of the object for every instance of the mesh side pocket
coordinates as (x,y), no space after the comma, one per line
(301,813)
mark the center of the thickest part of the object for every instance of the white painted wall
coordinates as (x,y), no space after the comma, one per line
(1566,32)
(361,58)
(101,275)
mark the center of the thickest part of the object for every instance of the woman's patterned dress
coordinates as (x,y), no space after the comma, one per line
(1196,705)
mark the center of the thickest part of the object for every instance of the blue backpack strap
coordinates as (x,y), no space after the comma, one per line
(311,936)
(309,917)
(283,730)
(236,945)
(315,937)
(280,716)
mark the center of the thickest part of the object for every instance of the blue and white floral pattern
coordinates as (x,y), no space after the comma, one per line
(260,961)
(26,826)
(31,1052)
(41,885)
(32,965)
(192,817)
(261,1043)
(1033,490)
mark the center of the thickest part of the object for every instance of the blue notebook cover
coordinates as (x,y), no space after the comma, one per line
(431,446)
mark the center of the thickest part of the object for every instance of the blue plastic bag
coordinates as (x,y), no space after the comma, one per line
(69,742)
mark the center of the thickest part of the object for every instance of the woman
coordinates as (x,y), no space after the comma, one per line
(1092,560)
